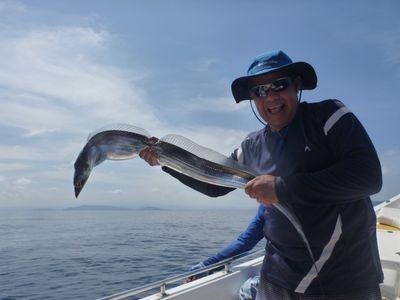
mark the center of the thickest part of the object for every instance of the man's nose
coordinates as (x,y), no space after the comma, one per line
(272,95)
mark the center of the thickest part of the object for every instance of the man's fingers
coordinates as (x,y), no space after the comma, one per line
(143,153)
(153,161)
(191,278)
(249,191)
(250,183)
(253,193)
(149,156)
(248,187)
(251,188)
(152,140)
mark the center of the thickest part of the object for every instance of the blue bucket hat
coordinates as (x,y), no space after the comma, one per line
(270,62)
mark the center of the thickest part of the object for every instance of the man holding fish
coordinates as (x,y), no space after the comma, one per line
(316,159)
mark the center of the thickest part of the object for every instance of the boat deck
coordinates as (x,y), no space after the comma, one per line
(388,214)
(224,285)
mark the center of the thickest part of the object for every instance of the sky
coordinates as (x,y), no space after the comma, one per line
(68,68)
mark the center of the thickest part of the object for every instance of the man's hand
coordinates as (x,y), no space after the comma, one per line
(148,154)
(262,188)
(196,267)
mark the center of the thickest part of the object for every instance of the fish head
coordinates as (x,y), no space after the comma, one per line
(83,168)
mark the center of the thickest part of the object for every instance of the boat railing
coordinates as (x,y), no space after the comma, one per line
(161,285)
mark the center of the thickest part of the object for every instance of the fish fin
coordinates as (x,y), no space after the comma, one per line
(121,127)
(203,152)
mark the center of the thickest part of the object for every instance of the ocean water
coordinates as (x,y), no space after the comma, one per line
(90,254)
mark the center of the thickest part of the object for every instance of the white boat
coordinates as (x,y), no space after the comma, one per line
(225,284)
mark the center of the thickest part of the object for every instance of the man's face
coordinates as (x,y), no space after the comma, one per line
(277,108)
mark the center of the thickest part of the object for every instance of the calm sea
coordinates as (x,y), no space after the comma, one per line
(90,254)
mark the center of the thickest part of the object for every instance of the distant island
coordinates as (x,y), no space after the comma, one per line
(151,208)
(108,207)
(97,207)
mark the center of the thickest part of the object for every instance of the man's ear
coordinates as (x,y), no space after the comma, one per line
(298,83)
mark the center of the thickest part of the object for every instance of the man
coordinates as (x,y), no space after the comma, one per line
(317,159)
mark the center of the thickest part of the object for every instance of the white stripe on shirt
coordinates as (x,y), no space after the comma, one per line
(325,255)
(239,155)
(334,118)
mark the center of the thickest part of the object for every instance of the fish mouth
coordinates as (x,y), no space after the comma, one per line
(78,190)
(79,183)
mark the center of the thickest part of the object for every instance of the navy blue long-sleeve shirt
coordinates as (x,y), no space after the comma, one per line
(326,168)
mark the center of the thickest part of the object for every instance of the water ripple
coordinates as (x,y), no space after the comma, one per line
(85,255)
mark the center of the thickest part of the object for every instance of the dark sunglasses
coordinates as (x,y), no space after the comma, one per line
(277,86)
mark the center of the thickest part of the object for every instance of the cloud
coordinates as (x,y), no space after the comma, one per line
(217,104)
(390,160)
(37,132)
(21,153)
(393,152)
(8,6)
(219,139)
(55,88)
(52,81)
(36,118)
(9,167)
(201,65)
(23,181)
(385,37)
(390,41)
(385,170)
(116,191)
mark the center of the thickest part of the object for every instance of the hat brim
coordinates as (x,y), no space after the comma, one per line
(240,86)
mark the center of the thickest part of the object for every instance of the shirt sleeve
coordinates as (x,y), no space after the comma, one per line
(244,242)
(202,187)
(208,189)
(354,175)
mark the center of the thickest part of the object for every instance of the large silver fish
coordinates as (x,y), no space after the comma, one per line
(122,141)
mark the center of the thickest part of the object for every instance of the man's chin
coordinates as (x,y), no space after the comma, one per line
(275,126)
